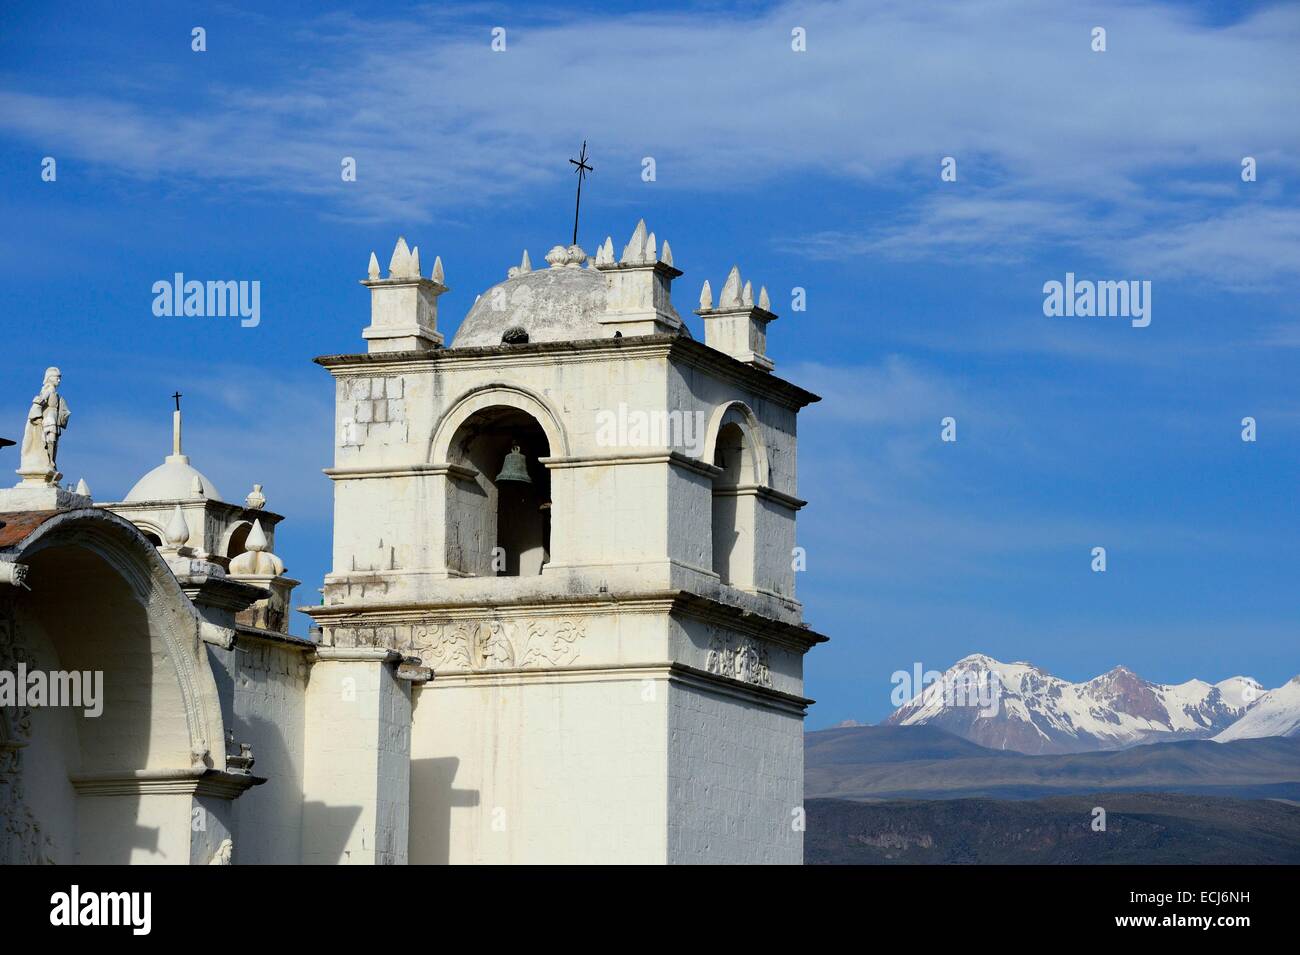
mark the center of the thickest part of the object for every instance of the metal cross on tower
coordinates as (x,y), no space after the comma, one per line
(582,169)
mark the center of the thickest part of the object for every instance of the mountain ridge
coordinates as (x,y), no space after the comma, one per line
(1023,708)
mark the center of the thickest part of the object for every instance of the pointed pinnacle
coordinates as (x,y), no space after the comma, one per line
(706,296)
(438,275)
(372,272)
(177,532)
(256,540)
(666,256)
(730,297)
(763,301)
(401,257)
(634,251)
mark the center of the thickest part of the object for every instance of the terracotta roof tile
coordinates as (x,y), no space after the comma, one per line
(18,524)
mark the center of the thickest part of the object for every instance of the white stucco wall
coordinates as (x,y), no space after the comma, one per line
(356,783)
(735,778)
(263,687)
(539,768)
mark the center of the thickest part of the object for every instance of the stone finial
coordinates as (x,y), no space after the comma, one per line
(634,253)
(256,560)
(666,256)
(256,500)
(177,533)
(736,327)
(523,268)
(256,537)
(558,257)
(638,287)
(574,257)
(730,297)
(196,487)
(83,488)
(403,306)
(402,265)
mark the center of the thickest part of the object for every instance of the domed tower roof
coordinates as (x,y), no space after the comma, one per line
(175,479)
(564,302)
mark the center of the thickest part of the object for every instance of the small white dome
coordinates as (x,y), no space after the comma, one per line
(173,480)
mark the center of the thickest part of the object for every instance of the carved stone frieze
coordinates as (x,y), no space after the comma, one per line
(473,645)
(738,658)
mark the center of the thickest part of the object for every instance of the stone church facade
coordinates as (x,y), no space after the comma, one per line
(560,623)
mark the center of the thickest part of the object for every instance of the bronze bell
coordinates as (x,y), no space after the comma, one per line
(515,467)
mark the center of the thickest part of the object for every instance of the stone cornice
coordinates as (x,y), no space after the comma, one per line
(649,456)
(401,470)
(155,782)
(760,490)
(797,636)
(708,609)
(245,633)
(223,593)
(369,614)
(268,518)
(675,347)
(356,655)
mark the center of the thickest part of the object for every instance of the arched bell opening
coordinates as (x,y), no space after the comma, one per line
(733,509)
(499,523)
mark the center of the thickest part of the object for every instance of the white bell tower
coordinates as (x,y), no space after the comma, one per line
(562,587)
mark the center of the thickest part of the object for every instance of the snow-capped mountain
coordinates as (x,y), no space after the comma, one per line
(1276,713)
(1035,712)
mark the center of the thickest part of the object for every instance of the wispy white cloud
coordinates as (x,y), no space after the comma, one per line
(884,90)
(1247,247)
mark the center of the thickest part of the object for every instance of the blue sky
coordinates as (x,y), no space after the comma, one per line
(818,170)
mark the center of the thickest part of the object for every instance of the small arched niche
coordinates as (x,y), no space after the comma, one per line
(238,542)
(495,526)
(734,515)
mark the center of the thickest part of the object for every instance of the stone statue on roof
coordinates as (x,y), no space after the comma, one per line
(46,420)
